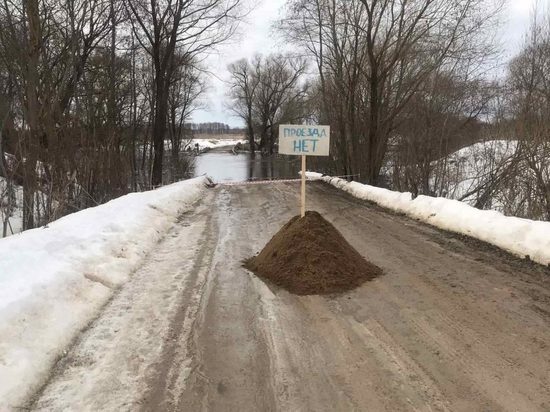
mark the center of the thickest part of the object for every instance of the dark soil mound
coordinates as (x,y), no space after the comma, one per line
(308,256)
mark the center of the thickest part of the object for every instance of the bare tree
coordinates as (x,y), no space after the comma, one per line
(93,86)
(267,92)
(244,83)
(529,104)
(162,28)
(45,46)
(186,88)
(448,113)
(374,56)
(278,90)
(7,192)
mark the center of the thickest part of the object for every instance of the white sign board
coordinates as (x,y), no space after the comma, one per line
(304,140)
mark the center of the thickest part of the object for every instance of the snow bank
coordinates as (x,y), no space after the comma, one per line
(521,237)
(53,280)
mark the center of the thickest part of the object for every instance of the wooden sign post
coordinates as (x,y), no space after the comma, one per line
(303,197)
(304,140)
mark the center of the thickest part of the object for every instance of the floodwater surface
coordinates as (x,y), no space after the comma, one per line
(224,166)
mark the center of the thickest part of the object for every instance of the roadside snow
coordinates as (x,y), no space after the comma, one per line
(521,237)
(53,280)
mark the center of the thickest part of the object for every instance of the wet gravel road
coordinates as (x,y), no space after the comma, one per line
(453,324)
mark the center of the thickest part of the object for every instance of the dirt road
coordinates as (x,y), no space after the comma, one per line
(452,325)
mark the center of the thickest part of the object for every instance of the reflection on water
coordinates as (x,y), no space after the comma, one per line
(229,167)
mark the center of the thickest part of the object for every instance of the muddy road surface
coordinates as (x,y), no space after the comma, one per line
(452,324)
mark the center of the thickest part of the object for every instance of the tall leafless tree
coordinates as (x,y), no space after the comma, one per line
(373,57)
(244,83)
(162,28)
(266,92)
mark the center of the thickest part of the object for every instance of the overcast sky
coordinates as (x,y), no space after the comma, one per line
(257,36)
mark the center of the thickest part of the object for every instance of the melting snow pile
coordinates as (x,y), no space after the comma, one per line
(521,237)
(309,256)
(53,280)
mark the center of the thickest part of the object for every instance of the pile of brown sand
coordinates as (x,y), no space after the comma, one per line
(309,256)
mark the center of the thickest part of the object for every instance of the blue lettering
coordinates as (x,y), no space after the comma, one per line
(303,146)
(313,132)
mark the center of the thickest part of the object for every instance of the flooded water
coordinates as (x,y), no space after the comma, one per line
(225,166)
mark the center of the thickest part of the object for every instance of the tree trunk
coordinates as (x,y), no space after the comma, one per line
(29,155)
(159,129)
(251,140)
(373,133)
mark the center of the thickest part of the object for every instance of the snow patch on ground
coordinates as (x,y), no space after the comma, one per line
(214,143)
(53,280)
(521,237)
(471,165)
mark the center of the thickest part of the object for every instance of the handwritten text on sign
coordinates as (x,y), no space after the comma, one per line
(304,140)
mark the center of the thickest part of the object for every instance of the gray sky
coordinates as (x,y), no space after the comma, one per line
(258,37)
